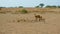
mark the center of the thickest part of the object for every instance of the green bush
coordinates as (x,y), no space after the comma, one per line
(24,11)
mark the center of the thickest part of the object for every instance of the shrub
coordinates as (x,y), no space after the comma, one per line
(24,11)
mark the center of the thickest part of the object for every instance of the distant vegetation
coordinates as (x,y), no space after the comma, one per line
(58,6)
(20,7)
(24,11)
(48,6)
(41,5)
(36,6)
(2,7)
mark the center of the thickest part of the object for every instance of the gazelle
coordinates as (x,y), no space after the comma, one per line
(39,17)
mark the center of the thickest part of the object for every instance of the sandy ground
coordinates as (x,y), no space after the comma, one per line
(9,24)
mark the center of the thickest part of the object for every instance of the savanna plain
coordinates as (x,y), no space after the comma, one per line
(14,22)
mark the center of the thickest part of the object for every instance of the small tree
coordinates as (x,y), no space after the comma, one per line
(41,5)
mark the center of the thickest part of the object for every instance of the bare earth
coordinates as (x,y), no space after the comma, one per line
(9,24)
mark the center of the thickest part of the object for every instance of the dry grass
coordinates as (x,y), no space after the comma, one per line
(26,24)
(30,10)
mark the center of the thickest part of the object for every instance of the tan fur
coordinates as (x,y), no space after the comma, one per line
(38,17)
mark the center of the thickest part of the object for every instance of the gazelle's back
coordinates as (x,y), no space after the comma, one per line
(37,16)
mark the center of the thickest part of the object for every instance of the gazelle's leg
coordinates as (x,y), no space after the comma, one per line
(35,19)
(39,19)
